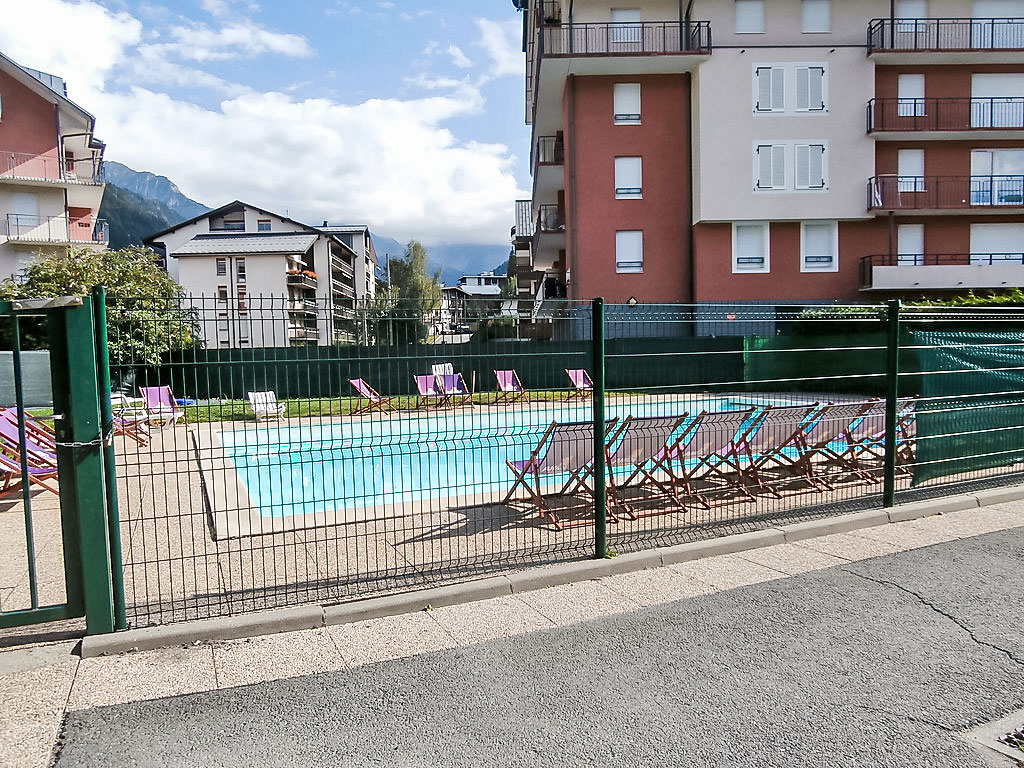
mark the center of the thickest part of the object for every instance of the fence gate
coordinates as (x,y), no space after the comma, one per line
(59,533)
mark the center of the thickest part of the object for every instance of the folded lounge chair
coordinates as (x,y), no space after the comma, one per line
(129,419)
(822,435)
(563,449)
(510,388)
(163,408)
(265,405)
(775,441)
(375,401)
(583,385)
(428,393)
(641,442)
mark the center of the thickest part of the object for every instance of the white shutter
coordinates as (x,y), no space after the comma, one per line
(627,102)
(626,25)
(629,251)
(817,16)
(910,91)
(771,166)
(910,169)
(771,89)
(819,246)
(810,166)
(750,247)
(992,243)
(749,16)
(628,177)
(810,89)
(912,9)
(909,244)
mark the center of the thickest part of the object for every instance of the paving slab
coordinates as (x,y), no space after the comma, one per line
(850,546)
(573,603)
(790,558)
(727,572)
(392,637)
(490,619)
(30,729)
(656,586)
(256,660)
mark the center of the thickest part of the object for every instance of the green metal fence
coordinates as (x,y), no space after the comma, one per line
(338,478)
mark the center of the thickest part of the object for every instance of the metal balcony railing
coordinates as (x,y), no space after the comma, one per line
(301,280)
(549,219)
(868,263)
(894,192)
(304,306)
(960,34)
(956,114)
(626,38)
(33,167)
(524,219)
(550,150)
(56,229)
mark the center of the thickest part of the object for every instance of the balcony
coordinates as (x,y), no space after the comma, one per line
(970,194)
(548,172)
(548,238)
(524,220)
(306,280)
(941,272)
(22,228)
(303,333)
(946,41)
(302,307)
(49,169)
(961,118)
(612,48)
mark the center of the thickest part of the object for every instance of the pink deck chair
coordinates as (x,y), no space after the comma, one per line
(510,388)
(162,406)
(454,389)
(42,476)
(376,401)
(582,384)
(427,392)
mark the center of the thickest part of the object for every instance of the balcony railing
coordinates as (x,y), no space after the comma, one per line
(549,219)
(945,35)
(32,167)
(961,114)
(957,266)
(301,280)
(524,219)
(895,193)
(550,150)
(56,229)
(302,306)
(626,38)
(303,333)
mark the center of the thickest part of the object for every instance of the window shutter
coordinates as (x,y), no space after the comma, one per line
(628,177)
(817,16)
(750,251)
(771,89)
(627,102)
(810,89)
(771,166)
(778,167)
(810,166)
(819,245)
(629,251)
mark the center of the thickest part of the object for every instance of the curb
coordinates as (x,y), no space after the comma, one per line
(315,616)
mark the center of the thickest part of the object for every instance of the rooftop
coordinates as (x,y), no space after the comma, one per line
(263,242)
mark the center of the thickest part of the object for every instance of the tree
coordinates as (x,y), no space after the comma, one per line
(414,295)
(145,315)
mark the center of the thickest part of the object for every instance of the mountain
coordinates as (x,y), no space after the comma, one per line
(132,217)
(153,187)
(452,261)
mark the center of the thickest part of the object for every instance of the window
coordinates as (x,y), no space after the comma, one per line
(628,178)
(629,251)
(240,269)
(243,305)
(910,245)
(627,103)
(243,333)
(222,267)
(910,90)
(995,243)
(771,89)
(749,16)
(908,15)
(263,225)
(819,246)
(770,164)
(810,89)
(1,107)
(997,177)
(626,25)
(817,15)
(810,166)
(997,100)
(750,247)
(910,170)
(222,293)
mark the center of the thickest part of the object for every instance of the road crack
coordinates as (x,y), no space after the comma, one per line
(929,604)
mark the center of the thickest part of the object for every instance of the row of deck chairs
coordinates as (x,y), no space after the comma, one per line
(762,447)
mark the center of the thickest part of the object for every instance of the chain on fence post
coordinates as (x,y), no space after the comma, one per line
(600,491)
(99,306)
(892,392)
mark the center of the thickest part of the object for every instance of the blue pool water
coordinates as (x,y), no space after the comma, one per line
(304,468)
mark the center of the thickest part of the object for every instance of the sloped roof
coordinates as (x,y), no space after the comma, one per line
(263,242)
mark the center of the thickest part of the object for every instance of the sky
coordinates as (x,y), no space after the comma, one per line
(404,116)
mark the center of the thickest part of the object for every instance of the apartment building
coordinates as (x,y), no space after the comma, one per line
(51,170)
(258,279)
(786,151)
(359,239)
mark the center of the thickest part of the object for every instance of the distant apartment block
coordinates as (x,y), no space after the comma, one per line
(259,279)
(51,170)
(359,239)
(791,151)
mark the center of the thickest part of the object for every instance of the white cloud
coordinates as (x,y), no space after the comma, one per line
(503,43)
(392,163)
(232,41)
(459,59)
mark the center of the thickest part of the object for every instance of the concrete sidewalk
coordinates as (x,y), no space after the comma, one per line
(879,637)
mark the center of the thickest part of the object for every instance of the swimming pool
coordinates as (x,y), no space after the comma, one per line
(308,468)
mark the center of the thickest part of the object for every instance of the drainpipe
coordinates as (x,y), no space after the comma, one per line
(892,23)
(572,44)
(572,226)
(892,237)
(689,169)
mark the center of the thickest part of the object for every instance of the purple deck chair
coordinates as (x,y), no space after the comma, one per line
(582,384)
(454,389)
(377,402)
(427,392)
(38,475)
(162,406)
(41,453)
(510,388)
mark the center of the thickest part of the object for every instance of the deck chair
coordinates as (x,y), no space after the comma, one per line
(375,401)
(40,454)
(442,369)
(906,435)
(823,433)
(41,475)
(563,449)
(510,388)
(710,449)
(265,405)
(640,441)
(428,393)
(865,443)
(582,384)
(163,408)
(129,420)
(454,388)
(775,442)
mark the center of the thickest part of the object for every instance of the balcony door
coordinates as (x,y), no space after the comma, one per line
(997,101)
(997,177)
(998,24)
(997,243)
(910,245)
(626,32)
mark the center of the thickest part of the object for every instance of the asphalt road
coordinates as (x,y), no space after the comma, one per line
(878,663)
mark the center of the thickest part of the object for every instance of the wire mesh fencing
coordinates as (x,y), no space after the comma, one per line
(292,451)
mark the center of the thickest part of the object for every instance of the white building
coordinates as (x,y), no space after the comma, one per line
(358,238)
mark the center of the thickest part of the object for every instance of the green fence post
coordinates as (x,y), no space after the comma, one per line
(600,490)
(80,456)
(99,307)
(892,392)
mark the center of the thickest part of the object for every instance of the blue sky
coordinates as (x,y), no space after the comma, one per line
(405,116)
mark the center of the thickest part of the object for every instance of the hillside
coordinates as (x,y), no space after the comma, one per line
(152,187)
(132,217)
